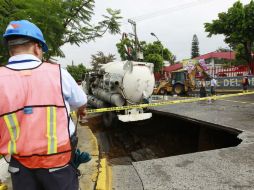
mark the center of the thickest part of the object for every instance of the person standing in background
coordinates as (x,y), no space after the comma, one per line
(245,84)
(213,86)
(202,91)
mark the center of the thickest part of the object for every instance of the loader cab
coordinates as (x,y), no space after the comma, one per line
(179,79)
(179,76)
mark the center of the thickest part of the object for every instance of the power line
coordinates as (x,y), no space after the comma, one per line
(168,10)
(171,10)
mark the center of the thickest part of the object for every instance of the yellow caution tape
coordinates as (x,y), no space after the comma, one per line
(73,114)
(140,106)
(3,186)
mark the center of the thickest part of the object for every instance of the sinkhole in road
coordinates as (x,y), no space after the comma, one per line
(161,136)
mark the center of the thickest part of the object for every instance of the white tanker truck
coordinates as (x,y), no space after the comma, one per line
(118,84)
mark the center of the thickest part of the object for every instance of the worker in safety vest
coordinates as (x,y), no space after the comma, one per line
(35,126)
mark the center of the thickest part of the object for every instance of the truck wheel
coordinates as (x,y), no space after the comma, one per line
(110,119)
(178,89)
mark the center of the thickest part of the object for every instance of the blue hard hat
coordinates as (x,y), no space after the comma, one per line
(26,29)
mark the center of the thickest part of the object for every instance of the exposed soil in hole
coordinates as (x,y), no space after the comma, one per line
(161,136)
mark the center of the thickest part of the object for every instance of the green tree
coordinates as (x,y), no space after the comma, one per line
(157,60)
(237,26)
(76,71)
(157,54)
(101,58)
(61,21)
(153,52)
(126,49)
(194,47)
(221,49)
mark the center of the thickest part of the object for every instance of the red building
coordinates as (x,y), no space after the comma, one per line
(213,56)
(166,73)
(216,63)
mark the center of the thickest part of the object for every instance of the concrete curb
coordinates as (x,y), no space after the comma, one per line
(104,181)
(89,171)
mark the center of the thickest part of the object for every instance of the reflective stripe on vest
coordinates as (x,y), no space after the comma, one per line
(51,130)
(14,131)
(33,117)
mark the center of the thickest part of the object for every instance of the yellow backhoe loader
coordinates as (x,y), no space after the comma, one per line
(181,82)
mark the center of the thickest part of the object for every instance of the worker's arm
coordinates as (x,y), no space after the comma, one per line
(81,112)
(73,93)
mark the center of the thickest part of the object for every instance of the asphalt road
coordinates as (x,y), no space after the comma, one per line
(226,168)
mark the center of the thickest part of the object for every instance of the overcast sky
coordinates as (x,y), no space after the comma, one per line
(173,21)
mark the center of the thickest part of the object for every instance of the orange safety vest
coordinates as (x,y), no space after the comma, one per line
(33,117)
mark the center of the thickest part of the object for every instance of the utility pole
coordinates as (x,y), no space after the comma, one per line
(139,54)
(132,22)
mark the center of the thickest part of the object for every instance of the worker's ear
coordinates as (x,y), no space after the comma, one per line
(38,51)
(10,53)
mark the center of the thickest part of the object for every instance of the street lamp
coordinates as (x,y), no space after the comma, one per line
(161,47)
(155,36)
(160,43)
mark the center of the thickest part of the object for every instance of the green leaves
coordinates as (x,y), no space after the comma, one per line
(101,58)
(157,60)
(126,49)
(194,47)
(237,25)
(76,71)
(153,52)
(61,21)
(112,21)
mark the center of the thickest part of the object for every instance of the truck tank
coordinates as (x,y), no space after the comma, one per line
(122,83)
